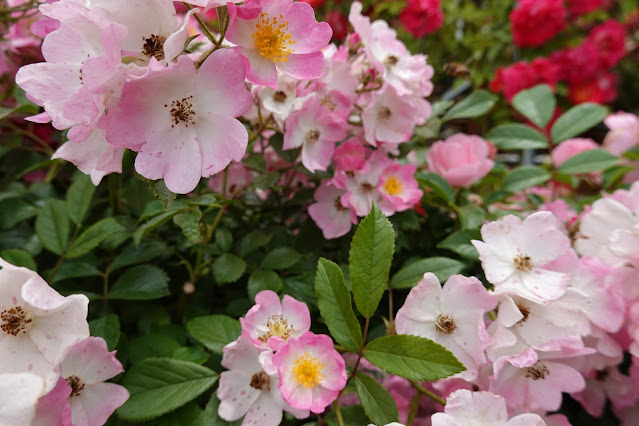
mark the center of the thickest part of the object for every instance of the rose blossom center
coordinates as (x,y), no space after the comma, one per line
(260,381)
(445,324)
(393,186)
(537,371)
(338,205)
(15,321)
(384,113)
(77,385)
(277,326)
(328,103)
(525,312)
(153,46)
(391,60)
(312,135)
(182,111)
(279,96)
(366,187)
(308,370)
(523,262)
(272,38)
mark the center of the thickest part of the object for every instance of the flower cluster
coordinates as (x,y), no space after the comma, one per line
(277,365)
(52,371)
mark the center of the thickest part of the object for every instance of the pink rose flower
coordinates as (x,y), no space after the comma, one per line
(330,215)
(20,393)
(461,159)
(311,372)
(569,148)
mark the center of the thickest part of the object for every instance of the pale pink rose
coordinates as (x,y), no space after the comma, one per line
(398,186)
(278,34)
(607,384)
(333,218)
(86,367)
(569,148)
(270,323)
(350,155)
(53,408)
(250,386)
(452,316)
(311,372)
(464,407)
(20,393)
(183,122)
(623,134)
(461,159)
(514,254)
(37,325)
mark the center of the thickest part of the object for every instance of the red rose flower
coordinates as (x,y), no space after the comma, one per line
(577,65)
(338,23)
(602,90)
(610,40)
(534,22)
(580,7)
(521,75)
(421,17)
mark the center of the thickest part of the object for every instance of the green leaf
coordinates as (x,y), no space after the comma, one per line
(378,404)
(588,161)
(335,305)
(460,243)
(438,185)
(254,240)
(224,239)
(53,225)
(577,120)
(280,258)
(189,222)
(154,345)
(524,177)
(370,259)
(108,328)
(352,415)
(75,269)
(263,280)
(145,251)
(196,354)
(536,104)
(412,357)
(517,136)
(163,193)
(410,274)
(160,385)
(79,197)
(214,331)
(476,104)
(210,417)
(93,236)
(228,268)
(265,180)
(144,282)
(152,224)
(471,216)
(19,257)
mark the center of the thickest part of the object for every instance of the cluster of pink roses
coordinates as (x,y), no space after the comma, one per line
(278,365)
(52,372)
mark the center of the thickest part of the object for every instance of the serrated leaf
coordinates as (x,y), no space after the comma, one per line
(145,251)
(263,280)
(214,331)
(144,282)
(410,274)
(335,305)
(19,257)
(536,104)
(189,222)
(378,404)
(265,180)
(93,236)
(75,269)
(154,345)
(79,197)
(108,328)
(160,385)
(517,136)
(53,226)
(370,258)
(224,239)
(228,268)
(588,161)
(474,105)
(280,258)
(577,120)
(471,216)
(163,194)
(412,357)
(436,184)
(152,224)
(524,177)
(254,240)
(460,243)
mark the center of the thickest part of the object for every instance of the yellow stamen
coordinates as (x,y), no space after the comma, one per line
(272,38)
(393,186)
(308,370)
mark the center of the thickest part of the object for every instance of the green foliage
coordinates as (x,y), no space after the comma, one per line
(370,258)
(410,274)
(517,136)
(53,226)
(476,104)
(228,268)
(577,120)
(79,197)
(144,282)
(378,404)
(108,328)
(412,357)
(588,161)
(214,331)
(536,104)
(263,280)
(524,177)
(160,385)
(93,236)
